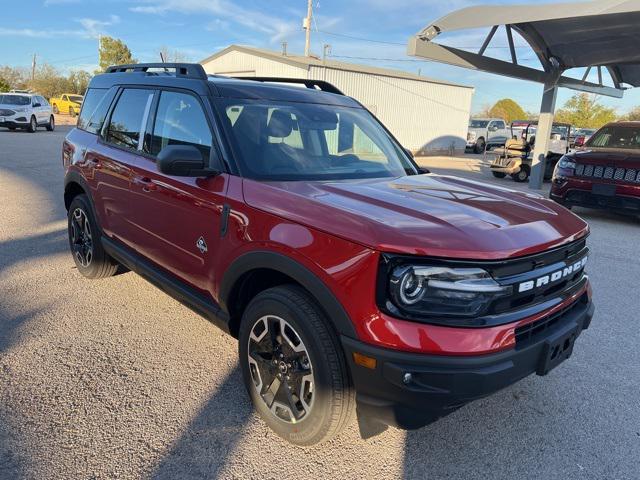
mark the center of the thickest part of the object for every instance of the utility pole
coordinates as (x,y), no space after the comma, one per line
(33,67)
(306,24)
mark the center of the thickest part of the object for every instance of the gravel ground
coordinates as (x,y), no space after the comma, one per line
(113,379)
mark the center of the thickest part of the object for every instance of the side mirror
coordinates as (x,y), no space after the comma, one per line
(422,170)
(37,105)
(408,152)
(493,128)
(183,161)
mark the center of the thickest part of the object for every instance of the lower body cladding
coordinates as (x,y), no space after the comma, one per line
(409,390)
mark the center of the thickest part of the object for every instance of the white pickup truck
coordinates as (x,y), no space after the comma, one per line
(486,133)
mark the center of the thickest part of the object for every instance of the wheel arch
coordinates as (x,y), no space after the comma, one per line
(253,272)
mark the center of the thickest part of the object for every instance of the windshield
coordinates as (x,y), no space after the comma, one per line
(14,100)
(478,123)
(76,98)
(303,141)
(616,137)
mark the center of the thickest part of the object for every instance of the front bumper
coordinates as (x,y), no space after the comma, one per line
(439,384)
(14,122)
(583,198)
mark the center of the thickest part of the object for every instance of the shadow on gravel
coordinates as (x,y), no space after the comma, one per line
(32,248)
(203,448)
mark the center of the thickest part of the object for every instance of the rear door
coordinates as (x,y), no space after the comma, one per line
(112,158)
(176,221)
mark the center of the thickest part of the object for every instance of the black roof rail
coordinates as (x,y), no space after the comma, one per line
(189,70)
(309,83)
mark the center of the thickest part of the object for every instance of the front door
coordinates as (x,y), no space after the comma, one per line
(178,219)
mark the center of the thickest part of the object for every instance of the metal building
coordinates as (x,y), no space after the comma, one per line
(427,116)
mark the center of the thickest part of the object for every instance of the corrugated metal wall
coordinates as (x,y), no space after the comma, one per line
(242,64)
(428,118)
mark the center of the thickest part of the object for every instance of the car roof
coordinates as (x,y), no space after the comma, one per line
(221,86)
(624,123)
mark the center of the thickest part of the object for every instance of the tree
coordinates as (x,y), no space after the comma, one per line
(507,109)
(633,115)
(584,111)
(114,52)
(172,56)
(48,82)
(15,77)
(78,81)
(4,85)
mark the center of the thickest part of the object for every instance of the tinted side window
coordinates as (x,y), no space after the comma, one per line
(95,123)
(91,101)
(129,117)
(180,120)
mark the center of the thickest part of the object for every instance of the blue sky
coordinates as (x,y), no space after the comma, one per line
(64,33)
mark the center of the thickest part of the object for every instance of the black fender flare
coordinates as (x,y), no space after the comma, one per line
(301,274)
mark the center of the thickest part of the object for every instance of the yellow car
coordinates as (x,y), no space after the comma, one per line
(67,103)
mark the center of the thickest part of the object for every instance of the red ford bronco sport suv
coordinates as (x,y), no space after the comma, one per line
(291,218)
(605,173)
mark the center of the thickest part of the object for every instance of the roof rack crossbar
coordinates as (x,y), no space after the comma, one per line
(188,70)
(309,83)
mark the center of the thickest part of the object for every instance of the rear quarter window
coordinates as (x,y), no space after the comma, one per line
(91,101)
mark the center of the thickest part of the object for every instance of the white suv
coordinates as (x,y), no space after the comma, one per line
(25,110)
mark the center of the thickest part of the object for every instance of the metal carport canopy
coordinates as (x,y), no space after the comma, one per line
(602,34)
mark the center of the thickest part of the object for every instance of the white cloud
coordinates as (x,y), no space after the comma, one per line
(59,2)
(275,27)
(90,28)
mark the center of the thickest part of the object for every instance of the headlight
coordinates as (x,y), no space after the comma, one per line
(443,291)
(20,110)
(566,162)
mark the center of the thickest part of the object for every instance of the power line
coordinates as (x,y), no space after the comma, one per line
(383,42)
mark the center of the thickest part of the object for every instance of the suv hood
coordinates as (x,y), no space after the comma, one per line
(423,215)
(614,157)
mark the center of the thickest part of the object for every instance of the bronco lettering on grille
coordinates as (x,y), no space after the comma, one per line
(552,277)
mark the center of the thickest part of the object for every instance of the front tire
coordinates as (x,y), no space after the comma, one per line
(72,112)
(51,126)
(55,109)
(84,241)
(294,368)
(479,146)
(522,175)
(33,125)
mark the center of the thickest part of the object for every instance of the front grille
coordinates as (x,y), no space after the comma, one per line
(6,113)
(612,173)
(532,331)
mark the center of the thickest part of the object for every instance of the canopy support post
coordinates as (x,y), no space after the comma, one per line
(543,135)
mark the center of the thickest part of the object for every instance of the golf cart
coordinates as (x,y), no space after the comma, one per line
(515,158)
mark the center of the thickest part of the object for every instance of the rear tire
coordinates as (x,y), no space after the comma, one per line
(51,126)
(294,368)
(84,241)
(522,175)
(55,109)
(72,112)
(33,125)
(499,174)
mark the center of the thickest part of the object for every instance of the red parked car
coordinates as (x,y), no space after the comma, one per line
(294,220)
(605,173)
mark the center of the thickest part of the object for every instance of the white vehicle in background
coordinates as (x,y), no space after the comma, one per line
(486,133)
(27,111)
